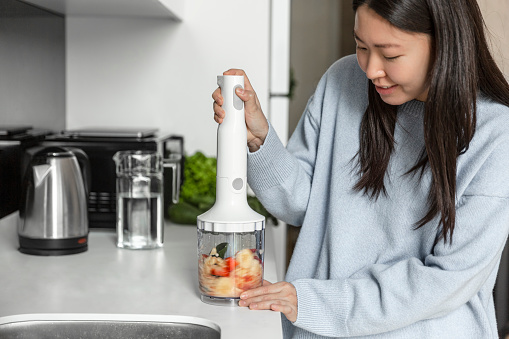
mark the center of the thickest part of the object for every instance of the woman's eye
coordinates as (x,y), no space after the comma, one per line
(391,58)
(361,48)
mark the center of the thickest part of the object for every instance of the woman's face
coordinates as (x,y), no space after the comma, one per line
(396,61)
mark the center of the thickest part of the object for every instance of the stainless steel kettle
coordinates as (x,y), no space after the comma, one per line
(53,216)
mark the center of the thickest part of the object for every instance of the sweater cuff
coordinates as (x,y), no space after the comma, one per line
(270,165)
(326,299)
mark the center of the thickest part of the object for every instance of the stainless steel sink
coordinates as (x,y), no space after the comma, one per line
(106,326)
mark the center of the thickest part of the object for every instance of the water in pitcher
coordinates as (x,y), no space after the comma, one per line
(139,199)
(140,221)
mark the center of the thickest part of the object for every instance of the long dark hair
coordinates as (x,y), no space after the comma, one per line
(462,66)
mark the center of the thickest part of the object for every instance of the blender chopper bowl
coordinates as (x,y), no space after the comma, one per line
(230,234)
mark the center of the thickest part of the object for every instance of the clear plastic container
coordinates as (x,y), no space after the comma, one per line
(228,264)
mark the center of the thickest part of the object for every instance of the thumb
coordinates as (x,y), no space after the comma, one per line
(247,96)
(241,92)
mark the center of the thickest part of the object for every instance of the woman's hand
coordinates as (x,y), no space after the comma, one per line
(256,123)
(279,297)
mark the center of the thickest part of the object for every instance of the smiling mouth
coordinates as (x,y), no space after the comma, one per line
(386,90)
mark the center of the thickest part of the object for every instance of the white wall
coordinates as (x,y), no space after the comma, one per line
(496,16)
(134,72)
(32,66)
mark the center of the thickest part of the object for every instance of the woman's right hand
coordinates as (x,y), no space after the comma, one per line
(256,123)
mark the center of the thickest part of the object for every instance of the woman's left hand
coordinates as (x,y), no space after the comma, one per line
(279,297)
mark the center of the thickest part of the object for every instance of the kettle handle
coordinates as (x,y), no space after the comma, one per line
(84,164)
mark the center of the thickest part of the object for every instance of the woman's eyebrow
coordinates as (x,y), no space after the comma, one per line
(356,37)
(385,45)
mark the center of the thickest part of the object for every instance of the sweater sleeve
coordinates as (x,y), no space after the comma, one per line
(281,177)
(385,297)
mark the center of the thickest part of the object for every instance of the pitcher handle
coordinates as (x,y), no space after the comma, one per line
(173,162)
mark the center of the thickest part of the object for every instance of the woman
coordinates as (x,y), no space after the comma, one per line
(398,172)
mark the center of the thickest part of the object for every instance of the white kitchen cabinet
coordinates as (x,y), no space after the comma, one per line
(171,9)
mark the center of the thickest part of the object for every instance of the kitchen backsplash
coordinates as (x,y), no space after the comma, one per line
(32,65)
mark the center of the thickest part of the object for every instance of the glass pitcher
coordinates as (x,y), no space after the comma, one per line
(139,199)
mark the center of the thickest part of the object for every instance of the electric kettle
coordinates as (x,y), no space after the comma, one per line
(53,217)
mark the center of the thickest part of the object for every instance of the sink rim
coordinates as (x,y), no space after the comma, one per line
(155,318)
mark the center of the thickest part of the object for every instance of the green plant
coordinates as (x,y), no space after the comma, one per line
(198,191)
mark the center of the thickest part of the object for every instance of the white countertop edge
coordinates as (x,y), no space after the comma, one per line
(108,317)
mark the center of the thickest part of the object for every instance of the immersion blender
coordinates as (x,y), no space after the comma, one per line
(230,234)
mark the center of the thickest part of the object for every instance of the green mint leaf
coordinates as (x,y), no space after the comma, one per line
(221,249)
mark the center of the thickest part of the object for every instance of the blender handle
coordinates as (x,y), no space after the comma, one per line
(173,162)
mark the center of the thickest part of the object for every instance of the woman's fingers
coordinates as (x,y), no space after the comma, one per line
(249,98)
(256,122)
(288,308)
(235,71)
(218,102)
(218,98)
(258,299)
(280,297)
(218,113)
(266,288)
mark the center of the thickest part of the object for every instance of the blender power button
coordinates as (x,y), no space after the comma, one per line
(238,184)
(237,102)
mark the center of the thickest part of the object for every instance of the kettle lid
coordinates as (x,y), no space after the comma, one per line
(54,152)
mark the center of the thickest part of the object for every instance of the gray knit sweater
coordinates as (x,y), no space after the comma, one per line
(360,267)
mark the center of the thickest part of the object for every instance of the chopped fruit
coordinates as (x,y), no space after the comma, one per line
(229,277)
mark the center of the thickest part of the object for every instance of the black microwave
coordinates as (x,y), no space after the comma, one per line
(100,145)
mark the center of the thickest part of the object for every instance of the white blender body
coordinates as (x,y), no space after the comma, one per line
(230,234)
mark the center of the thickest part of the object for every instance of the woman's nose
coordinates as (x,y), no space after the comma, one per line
(375,68)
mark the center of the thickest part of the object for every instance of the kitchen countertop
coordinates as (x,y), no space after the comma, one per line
(109,280)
